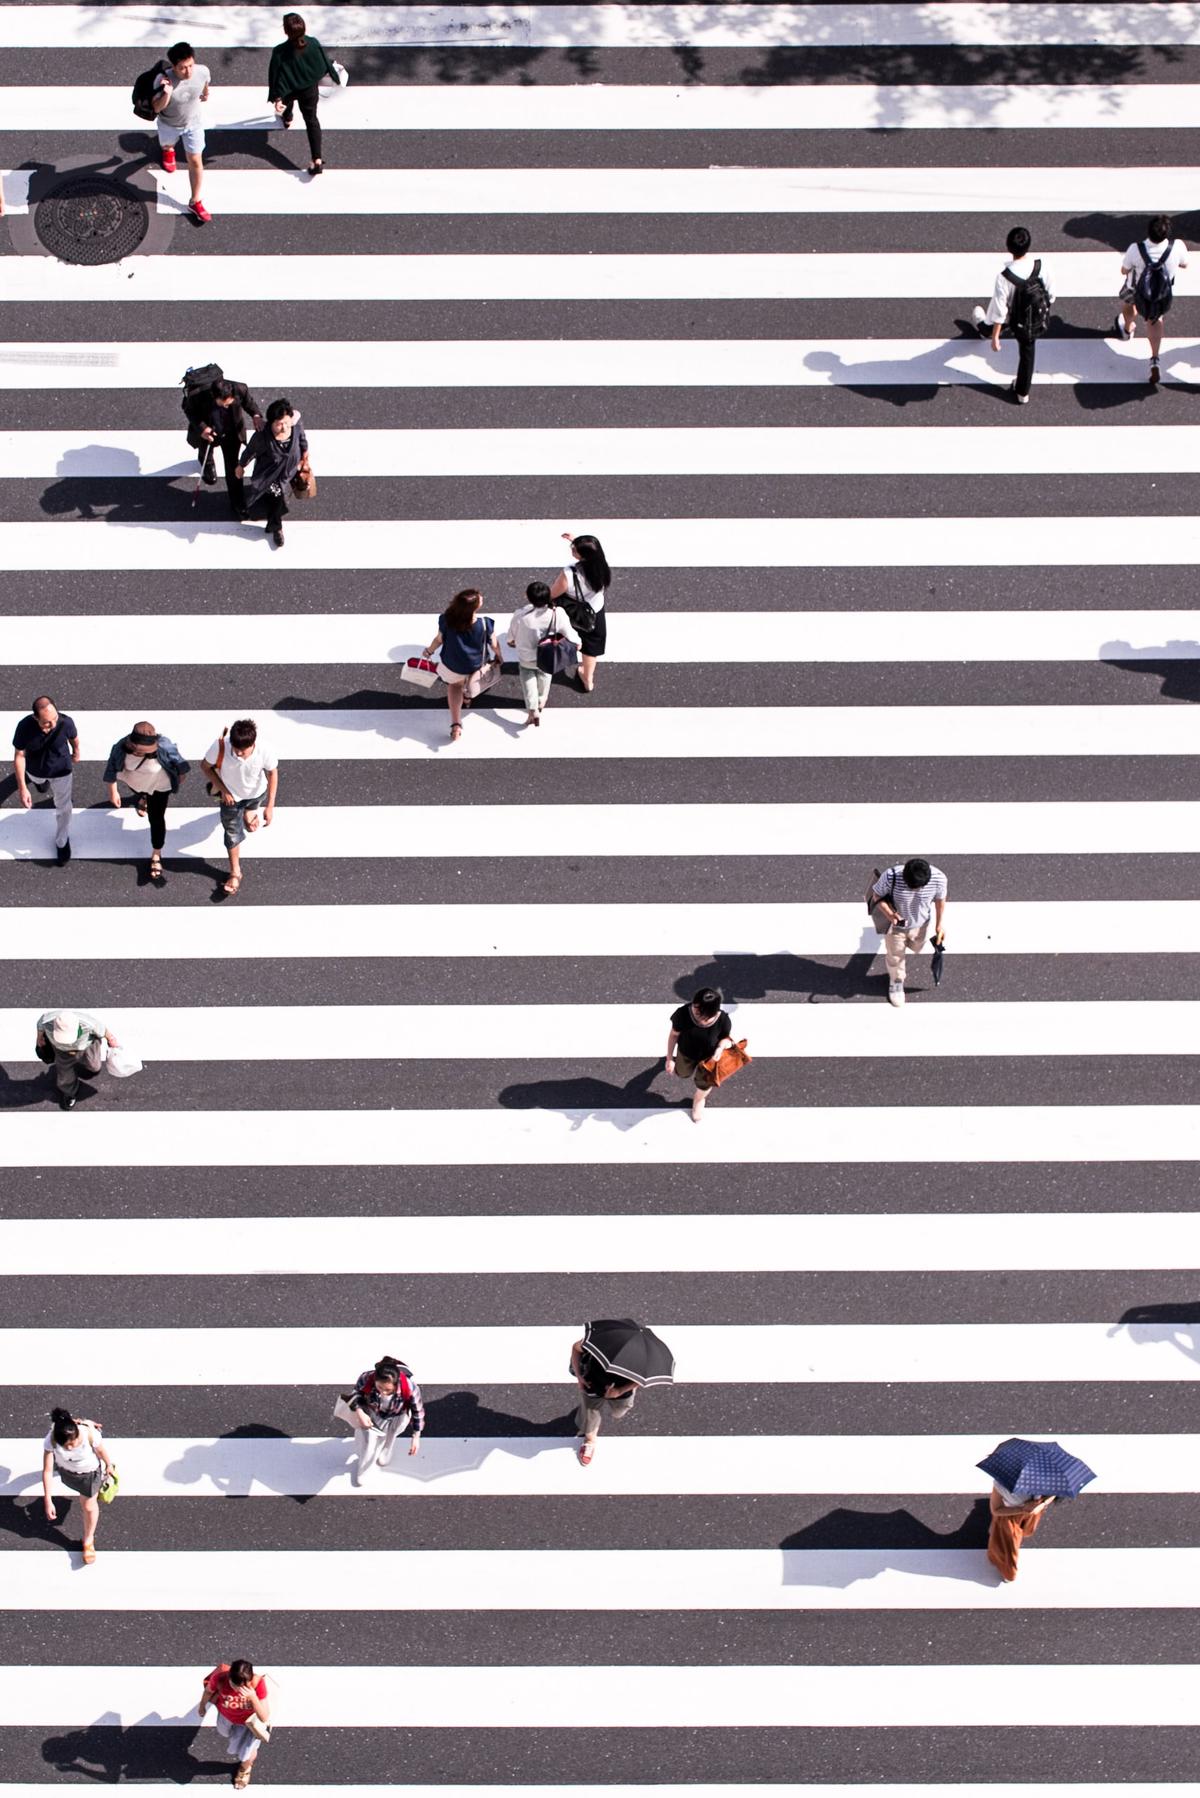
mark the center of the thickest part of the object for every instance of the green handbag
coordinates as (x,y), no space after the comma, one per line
(110,1488)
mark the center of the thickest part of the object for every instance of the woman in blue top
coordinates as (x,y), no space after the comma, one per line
(464,640)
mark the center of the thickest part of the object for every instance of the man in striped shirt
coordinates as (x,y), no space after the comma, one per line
(902,901)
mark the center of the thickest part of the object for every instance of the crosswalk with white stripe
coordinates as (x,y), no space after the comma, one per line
(697,279)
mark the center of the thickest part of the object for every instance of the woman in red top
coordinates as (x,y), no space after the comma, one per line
(238,1694)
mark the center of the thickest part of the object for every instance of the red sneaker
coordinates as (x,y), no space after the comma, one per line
(168,162)
(199,210)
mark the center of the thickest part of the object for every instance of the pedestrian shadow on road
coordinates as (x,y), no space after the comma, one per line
(848,1545)
(399,717)
(18,1091)
(586,1097)
(1176,664)
(741,977)
(1176,1323)
(27,1519)
(257,140)
(107,1751)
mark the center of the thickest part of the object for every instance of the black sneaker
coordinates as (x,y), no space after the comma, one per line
(1154,374)
(64,854)
(66,1101)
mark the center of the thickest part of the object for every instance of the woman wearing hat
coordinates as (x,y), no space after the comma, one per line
(150,766)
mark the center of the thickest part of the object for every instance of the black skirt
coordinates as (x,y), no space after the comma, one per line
(594,643)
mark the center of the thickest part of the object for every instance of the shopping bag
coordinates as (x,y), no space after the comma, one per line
(110,1488)
(419,672)
(121,1063)
(343,1413)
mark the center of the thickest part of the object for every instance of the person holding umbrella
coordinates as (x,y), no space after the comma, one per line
(612,1358)
(1027,1478)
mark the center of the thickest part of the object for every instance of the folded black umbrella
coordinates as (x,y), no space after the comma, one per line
(629,1351)
(939,957)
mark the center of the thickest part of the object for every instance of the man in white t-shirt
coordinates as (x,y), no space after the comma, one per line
(179,92)
(1006,308)
(244,773)
(1160,256)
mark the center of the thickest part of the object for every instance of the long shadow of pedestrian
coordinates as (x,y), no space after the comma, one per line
(28,1520)
(397,717)
(465,1414)
(847,1545)
(125,497)
(264,143)
(1176,664)
(1177,1322)
(111,1752)
(17,1091)
(234,1476)
(587,1097)
(741,977)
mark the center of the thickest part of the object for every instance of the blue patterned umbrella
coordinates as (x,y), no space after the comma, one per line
(1036,1469)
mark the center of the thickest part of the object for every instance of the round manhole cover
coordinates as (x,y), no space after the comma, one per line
(90,219)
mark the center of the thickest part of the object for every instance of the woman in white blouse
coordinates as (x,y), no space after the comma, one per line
(74,1450)
(526,628)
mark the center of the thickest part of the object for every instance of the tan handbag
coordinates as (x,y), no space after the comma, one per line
(729,1062)
(304,482)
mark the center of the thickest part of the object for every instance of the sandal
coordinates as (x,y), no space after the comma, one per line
(89,1552)
(156,867)
(586,1451)
(316,166)
(455,732)
(241,1778)
(142,803)
(232,884)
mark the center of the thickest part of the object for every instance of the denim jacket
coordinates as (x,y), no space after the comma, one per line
(169,758)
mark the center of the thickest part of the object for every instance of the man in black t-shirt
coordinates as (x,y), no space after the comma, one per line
(699,1030)
(46,749)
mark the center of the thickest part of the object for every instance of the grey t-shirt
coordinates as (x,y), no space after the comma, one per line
(183,108)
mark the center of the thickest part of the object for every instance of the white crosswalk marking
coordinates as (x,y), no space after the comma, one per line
(708,269)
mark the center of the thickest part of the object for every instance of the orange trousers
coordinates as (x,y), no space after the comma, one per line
(1009,1529)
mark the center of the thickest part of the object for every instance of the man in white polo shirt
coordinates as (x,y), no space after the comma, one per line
(902,901)
(244,774)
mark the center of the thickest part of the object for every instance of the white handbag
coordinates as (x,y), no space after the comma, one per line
(344,1414)
(419,671)
(121,1063)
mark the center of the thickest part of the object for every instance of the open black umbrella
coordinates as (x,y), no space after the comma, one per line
(939,956)
(629,1351)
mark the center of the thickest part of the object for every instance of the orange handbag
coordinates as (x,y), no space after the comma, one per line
(730,1061)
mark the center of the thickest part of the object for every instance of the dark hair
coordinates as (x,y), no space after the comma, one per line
(707,1001)
(240,1673)
(388,1369)
(294,29)
(179,53)
(278,409)
(1018,241)
(596,570)
(243,733)
(460,613)
(917,872)
(537,593)
(41,700)
(1158,228)
(224,390)
(143,733)
(63,1426)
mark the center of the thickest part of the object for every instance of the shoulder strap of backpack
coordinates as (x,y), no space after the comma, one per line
(1037,269)
(220,751)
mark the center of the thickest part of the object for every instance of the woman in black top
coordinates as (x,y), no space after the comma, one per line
(699,1030)
(296,67)
(279,453)
(585,582)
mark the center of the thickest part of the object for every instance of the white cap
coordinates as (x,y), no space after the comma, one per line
(64,1030)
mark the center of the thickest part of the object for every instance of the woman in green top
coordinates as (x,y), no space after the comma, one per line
(296,67)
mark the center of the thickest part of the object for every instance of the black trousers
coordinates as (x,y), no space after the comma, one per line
(269,506)
(156,812)
(231,449)
(306,99)
(1026,356)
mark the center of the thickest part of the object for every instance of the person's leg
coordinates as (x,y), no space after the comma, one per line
(587,672)
(91,1059)
(90,1508)
(61,786)
(543,688)
(454,699)
(529,690)
(234,829)
(312,124)
(230,451)
(1154,336)
(395,1428)
(156,813)
(1026,355)
(195,164)
(66,1075)
(365,1445)
(621,1407)
(276,513)
(894,946)
(587,1423)
(703,1082)
(1128,316)
(168,137)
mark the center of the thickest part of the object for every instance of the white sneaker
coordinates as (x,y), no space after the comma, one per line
(895,992)
(1122,329)
(979,319)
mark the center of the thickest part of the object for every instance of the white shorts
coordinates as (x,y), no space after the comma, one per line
(192,135)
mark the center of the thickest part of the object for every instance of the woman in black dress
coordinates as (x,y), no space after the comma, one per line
(583,587)
(279,453)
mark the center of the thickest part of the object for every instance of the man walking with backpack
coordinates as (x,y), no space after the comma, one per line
(1148,271)
(179,91)
(1021,300)
(216,411)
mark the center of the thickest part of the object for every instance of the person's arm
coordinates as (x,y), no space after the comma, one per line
(162,96)
(885,902)
(272,789)
(274,97)
(433,647)
(95,1438)
(204,95)
(302,439)
(47,1474)
(260,1706)
(251,406)
(23,793)
(418,1419)
(558,586)
(939,914)
(214,773)
(576,1364)
(672,1042)
(75,750)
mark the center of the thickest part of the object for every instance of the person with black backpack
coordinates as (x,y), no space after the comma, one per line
(1148,271)
(217,411)
(1020,302)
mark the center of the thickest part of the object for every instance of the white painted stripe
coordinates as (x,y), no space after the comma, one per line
(600,1136)
(567,191)
(1038,1241)
(330,639)
(781,275)
(1068,827)
(454,543)
(630,1466)
(745,733)
(548,1579)
(597,362)
(1145,106)
(404,932)
(420,1696)
(713,27)
(728,1354)
(634,450)
(559,1032)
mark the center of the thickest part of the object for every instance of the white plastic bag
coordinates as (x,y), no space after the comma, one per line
(341,72)
(121,1063)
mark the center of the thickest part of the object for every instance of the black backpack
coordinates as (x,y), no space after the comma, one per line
(1154,288)
(142,96)
(1029,307)
(581,614)
(199,380)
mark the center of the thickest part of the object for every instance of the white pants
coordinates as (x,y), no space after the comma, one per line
(60,789)
(535,686)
